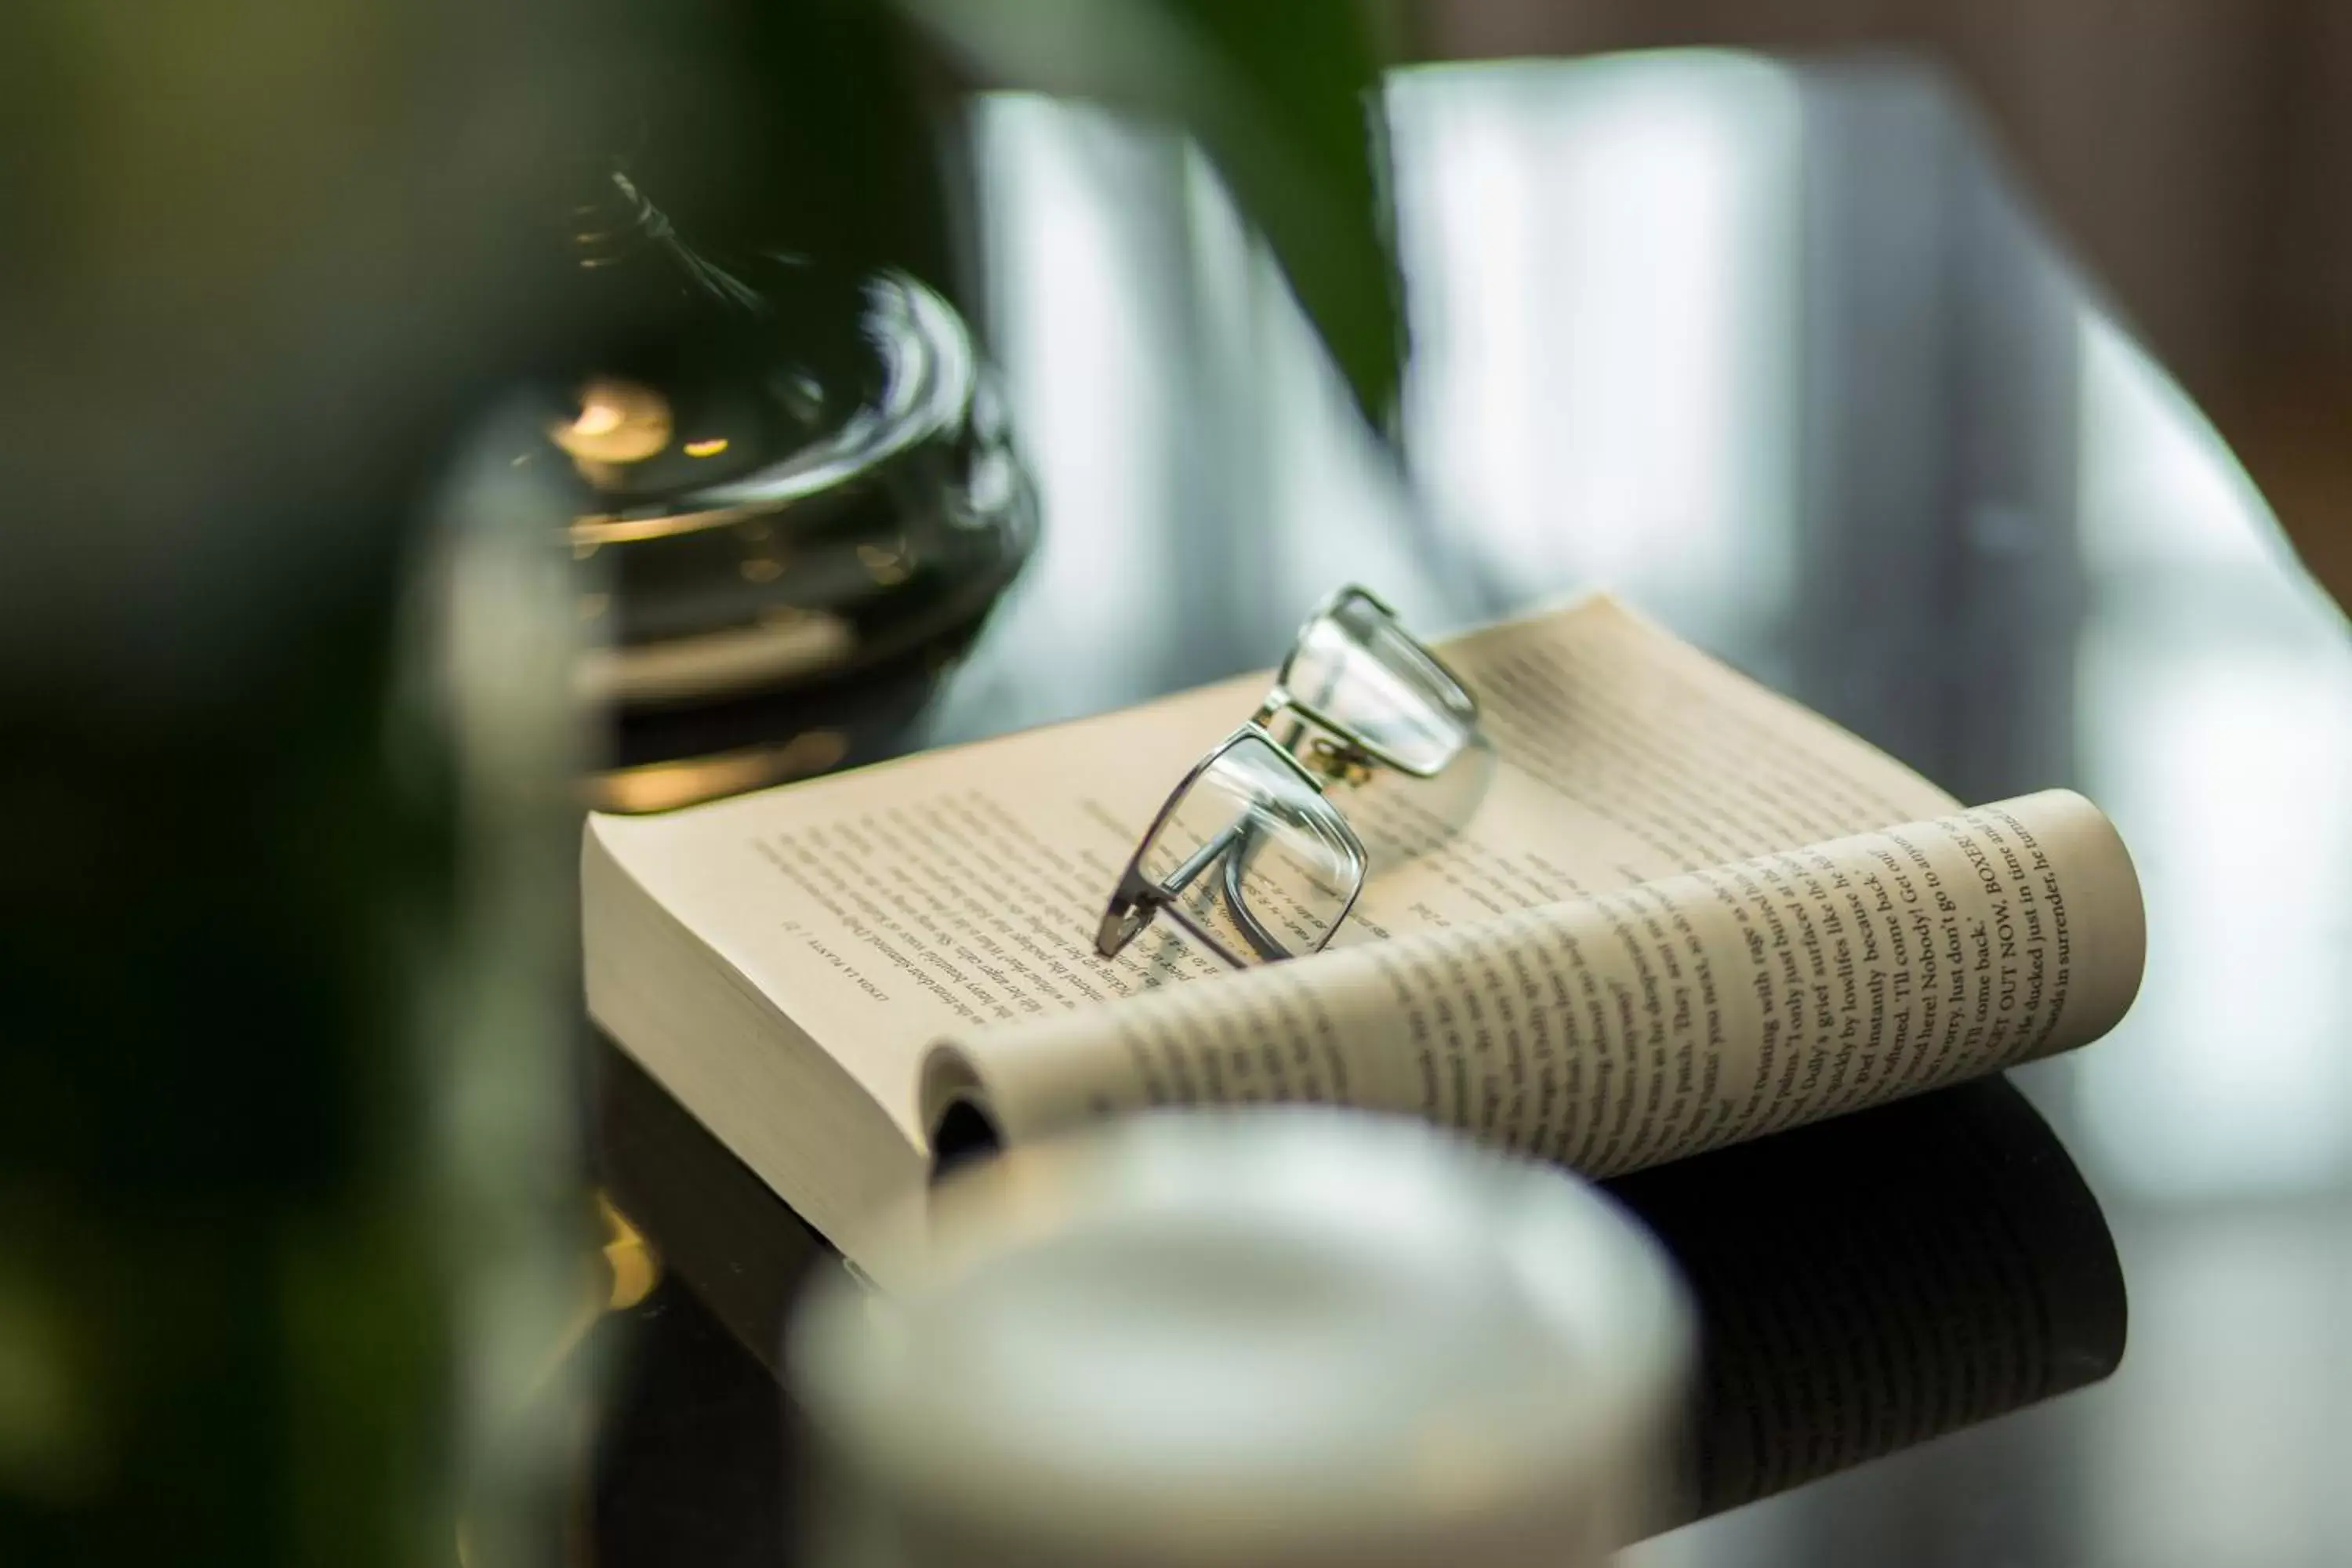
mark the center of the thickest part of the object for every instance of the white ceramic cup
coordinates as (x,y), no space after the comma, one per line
(1273,1336)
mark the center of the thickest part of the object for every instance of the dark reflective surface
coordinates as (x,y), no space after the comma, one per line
(1769,352)
(785,479)
(1863,1286)
(1881,1280)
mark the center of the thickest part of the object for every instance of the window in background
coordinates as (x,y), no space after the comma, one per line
(1076,308)
(1600,258)
(2216,700)
(1203,477)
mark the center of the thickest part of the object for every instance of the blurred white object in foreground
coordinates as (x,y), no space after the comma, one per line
(1281,1336)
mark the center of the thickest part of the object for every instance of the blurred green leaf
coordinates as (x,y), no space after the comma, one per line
(1282,96)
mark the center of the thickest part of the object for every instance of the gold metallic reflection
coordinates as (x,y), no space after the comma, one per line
(665,787)
(619,422)
(634,1268)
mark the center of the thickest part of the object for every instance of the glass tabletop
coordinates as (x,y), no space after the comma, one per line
(1771,352)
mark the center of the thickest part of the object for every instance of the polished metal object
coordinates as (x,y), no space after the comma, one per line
(794,492)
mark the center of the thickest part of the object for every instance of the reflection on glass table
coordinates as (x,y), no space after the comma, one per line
(1865,1285)
(1877,1280)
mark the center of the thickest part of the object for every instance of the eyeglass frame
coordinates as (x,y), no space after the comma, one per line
(1136,899)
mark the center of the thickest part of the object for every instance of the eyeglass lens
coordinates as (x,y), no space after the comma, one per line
(1354,666)
(1255,856)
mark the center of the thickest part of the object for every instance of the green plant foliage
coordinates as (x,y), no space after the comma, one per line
(1282,98)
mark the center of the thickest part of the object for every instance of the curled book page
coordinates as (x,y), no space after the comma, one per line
(1627,1027)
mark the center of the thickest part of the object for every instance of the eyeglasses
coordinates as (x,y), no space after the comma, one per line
(1249,855)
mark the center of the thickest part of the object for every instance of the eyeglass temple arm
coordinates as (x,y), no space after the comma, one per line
(1200,859)
(1131,913)
(1268,947)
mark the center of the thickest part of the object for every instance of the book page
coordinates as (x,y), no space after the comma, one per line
(1647,1023)
(882,908)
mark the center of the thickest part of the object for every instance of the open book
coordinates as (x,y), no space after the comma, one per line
(1658,908)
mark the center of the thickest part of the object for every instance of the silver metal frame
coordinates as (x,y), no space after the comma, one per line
(1282,699)
(1137,899)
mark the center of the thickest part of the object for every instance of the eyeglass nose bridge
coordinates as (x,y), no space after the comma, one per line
(1320,750)
(1327,757)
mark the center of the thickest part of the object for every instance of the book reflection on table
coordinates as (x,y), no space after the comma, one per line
(1865,1284)
(1868,1283)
